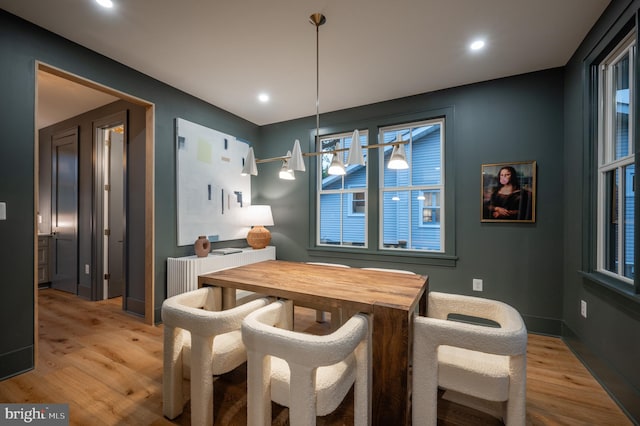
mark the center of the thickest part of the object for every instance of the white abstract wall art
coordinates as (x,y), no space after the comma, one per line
(211,193)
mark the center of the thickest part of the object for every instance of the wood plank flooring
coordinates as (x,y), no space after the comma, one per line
(107,365)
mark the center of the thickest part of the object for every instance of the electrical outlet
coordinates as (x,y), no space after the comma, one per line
(477,284)
(583,308)
(86,269)
(3,211)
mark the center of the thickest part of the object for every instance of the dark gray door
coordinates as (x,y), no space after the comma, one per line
(116,213)
(64,211)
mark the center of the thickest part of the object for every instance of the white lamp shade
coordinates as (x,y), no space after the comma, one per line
(398,160)
(259,215)
(286,173)
(355,150)
(250,167)
(296,162)
(336,168)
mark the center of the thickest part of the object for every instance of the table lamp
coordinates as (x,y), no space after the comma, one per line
(259,216)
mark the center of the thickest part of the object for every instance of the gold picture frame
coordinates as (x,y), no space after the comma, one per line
(508,192)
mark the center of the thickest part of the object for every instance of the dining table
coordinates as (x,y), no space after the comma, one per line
(391,298)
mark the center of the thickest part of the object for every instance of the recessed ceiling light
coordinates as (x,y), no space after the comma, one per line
(263,97)
(105,3)
(477,45)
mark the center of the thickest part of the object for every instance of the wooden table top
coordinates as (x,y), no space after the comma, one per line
(354,288)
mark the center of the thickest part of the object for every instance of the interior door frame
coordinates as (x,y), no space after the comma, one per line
(97,282)
(149,191)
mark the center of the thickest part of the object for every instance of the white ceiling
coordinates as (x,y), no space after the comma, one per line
(227,52)
(59,99)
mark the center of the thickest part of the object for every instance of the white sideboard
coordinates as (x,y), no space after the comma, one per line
(182,272)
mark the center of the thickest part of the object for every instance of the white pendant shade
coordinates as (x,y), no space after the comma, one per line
(250,167)
(337,167)
(286,172)
(398,160)
(296,162)
(355,150)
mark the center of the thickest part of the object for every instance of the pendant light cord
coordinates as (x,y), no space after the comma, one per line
(317,84)
(317,19)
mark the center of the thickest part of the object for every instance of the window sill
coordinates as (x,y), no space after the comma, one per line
(613,290)
(394,256)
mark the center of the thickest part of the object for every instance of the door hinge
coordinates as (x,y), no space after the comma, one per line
(107,143)
(107,232)
(107,276)
(107,187)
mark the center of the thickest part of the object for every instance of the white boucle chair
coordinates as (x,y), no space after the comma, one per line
(200,341)
(310,374)
(484,366)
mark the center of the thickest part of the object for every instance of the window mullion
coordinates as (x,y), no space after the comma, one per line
(621,221)
(409,213)
(341,216)
(600,222)
(632,55)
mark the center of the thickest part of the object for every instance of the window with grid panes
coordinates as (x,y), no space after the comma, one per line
(412,200)
(616,163)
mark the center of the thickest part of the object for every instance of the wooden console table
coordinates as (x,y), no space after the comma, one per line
(390,297)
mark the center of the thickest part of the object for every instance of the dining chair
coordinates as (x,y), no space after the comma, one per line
(200,341)
(336,314)
(478,365)
(310,374)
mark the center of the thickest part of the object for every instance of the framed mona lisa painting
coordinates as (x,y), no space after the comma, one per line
(509,192)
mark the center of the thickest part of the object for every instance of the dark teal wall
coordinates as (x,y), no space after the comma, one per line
(536,116)
(21,45)
(513,119)
(608,340)
(16,189)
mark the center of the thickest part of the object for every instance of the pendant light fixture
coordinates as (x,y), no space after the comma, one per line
(285,171)
(336,168)
(355,150)
(249,167)
(294,160)
(398,159)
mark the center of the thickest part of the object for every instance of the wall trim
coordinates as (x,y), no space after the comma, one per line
(16,362)
(544,326)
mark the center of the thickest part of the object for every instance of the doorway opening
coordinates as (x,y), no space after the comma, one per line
(112,249)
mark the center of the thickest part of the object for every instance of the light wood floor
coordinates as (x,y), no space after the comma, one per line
(107,365)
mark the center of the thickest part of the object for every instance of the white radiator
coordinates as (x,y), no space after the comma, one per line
(182,272)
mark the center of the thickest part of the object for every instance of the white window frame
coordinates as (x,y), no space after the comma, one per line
(345,192)
(606,151)
(410,188)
